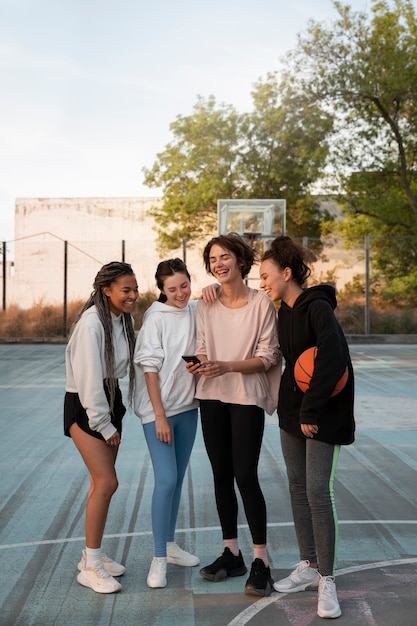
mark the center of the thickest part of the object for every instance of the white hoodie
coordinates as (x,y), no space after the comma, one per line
(86,366)
(167,333)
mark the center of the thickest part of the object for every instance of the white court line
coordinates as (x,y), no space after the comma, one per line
(147,533)
(245,616)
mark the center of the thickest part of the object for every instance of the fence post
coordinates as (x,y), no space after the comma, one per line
(367,288)
(4,275)
(65,321)
(123,250)
(184,250)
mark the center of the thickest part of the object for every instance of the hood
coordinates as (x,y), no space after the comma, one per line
(318,292)
(161,307)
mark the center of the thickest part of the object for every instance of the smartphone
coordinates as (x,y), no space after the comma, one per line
(191,359)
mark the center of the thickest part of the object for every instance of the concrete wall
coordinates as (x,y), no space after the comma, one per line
(94,229)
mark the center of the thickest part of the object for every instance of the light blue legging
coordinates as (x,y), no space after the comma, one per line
(169,466)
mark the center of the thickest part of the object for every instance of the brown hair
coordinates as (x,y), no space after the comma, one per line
(285,252)
(169,268)
(244,253)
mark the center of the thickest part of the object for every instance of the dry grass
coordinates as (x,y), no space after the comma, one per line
(46,321)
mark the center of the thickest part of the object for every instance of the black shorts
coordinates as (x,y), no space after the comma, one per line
(75,413)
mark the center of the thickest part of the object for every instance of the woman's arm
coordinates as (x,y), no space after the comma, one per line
(211,369)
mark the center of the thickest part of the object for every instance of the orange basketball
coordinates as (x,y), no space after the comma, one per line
(304,368)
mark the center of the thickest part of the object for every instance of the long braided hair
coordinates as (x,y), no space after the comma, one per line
(107,275)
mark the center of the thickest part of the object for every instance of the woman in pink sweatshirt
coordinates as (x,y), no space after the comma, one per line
(237,343)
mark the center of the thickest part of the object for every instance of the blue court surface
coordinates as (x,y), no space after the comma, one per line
(44,485)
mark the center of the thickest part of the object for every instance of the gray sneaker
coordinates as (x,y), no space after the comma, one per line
(302,578)
(328,604)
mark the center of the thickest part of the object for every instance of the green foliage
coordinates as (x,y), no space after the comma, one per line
(276,151)
(363,68)
(199,166)
(402,290)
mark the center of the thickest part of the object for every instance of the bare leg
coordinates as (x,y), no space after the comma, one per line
(100,460)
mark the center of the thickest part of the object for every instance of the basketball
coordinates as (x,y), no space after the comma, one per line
(304,368)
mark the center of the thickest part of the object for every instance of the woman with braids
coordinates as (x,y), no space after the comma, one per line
(99,351)
(313,425)
(165,403)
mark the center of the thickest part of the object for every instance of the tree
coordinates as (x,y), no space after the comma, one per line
(275,151)
(286,152)
(200,165)
(364,70)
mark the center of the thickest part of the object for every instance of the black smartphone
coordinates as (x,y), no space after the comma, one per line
(191,359)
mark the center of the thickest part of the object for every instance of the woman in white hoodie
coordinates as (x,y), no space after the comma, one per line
(98,353)
(164,400)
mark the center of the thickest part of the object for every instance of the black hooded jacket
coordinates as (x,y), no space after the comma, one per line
(312,322)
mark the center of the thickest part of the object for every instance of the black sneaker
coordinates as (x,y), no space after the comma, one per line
(259,582)
(226,565)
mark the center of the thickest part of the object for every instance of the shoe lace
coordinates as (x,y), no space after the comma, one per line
(105,558)
(178,551)
(99,570)
(327,587)
(300,567)
(158,566)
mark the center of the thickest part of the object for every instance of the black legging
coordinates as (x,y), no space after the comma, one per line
(233,437)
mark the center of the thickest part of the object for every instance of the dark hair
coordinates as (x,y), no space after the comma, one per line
(285,252)
(107,275)
(243,251)
(169,268)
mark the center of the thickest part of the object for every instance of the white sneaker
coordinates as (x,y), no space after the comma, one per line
(113,568)
(328,604)
(157,576)
(178,556)
(302,578)
(98,579)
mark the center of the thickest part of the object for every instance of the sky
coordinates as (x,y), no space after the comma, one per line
(89,88)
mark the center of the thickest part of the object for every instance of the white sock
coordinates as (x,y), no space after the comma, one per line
(92,554)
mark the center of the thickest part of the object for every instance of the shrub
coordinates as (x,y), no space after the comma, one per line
(47,321)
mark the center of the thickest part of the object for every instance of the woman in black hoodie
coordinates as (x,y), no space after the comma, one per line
(313,425)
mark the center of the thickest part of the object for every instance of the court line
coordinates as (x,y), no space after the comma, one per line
(247,614)
(147,533)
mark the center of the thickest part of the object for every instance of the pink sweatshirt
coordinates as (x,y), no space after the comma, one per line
(225,334)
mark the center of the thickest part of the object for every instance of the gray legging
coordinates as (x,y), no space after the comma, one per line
(311,466)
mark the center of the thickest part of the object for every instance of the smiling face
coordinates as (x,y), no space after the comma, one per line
(177,289)
(224,265)
(274,280)
(122,294)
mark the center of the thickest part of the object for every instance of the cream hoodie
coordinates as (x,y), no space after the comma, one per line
(86,369)
(167,333)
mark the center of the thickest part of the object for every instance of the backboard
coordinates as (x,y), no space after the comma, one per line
(253,219)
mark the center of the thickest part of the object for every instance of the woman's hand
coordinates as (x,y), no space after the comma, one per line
(212,369)
(210,293)
(309,430)
(114,439)
(163,430)
(194,368)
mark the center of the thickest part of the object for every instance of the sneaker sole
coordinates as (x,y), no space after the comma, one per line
(313,585)
(252,591)
(86,583)
(222,574)
(174,561)
(329,614)
(156,586)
